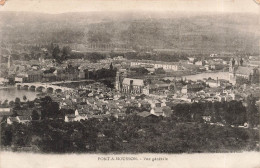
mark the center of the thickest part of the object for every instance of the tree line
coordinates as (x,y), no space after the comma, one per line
(134,134)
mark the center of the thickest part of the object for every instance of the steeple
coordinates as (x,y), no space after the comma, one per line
(233,62)
(9,62)
(241,62)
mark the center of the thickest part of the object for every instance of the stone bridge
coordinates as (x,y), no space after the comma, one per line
(42,87)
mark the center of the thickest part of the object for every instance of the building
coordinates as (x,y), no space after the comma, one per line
(34,76)
(131,85)
(5,112)
(19,119)
(194,87)
(213,83)
(120,75)
(75,117)
(240,74)
(81,74)
(156,64)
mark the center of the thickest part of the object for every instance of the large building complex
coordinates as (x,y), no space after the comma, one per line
(238,72)
(156,64)
(128,85)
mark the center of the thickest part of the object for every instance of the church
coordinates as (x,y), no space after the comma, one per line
(241,74)
(128,85)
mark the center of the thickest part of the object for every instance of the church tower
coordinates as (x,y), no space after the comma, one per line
(241,62)
(232,73)
(117,85)
(232,65)
(9,62)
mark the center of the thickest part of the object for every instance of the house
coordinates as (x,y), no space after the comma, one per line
(154,103)
(213,83)
(34,76)
(195,87)
(206,118)
(167,112)
(100,117)
(201,63)
(19,119)
(158,111)
(81,74)
(75,117)
(20,79)
(144,114)
(3,81)
(149,117)
(4,112)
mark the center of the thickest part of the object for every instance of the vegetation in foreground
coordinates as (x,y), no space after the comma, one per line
(133,134)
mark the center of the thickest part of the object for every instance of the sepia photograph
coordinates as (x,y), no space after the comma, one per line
(129,83)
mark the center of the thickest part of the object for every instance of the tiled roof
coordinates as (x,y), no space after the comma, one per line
(13,119)
(144,114)
(158,109)
(25,118)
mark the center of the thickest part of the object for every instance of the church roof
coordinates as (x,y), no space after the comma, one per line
(136,82)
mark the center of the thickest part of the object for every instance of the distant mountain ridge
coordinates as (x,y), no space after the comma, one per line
(184,32)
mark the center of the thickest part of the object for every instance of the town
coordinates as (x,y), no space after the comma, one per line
(115,88)
(129,82)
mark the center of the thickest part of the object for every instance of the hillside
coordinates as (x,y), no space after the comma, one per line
(181,32)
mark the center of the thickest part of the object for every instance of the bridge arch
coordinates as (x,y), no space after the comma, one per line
(18,86)
(40,88)
(26,87)
(50,89)
(58,90)
(32,87)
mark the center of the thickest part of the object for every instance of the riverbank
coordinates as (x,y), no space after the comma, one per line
(200,76)
(7,87)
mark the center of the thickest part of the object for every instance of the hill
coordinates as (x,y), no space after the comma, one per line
(180,32)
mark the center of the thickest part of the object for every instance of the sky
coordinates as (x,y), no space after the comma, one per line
(63,6)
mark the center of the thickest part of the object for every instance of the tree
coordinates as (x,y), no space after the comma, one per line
(17,103)
(252,111)
(17,100)
(159,71)
(235,113)
(35,115)
(140,71)
(49,108)
(66,51)
(11,103)
(6,136)
(24,98)
(5,103)
(55,53)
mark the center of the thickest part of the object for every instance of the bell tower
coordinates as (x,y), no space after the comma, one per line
(117,85)
(9,62)
(232,75)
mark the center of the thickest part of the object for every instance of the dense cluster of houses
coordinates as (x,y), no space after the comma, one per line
(145,97)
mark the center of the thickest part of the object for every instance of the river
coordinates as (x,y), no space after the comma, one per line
(11,93)
(213,75)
